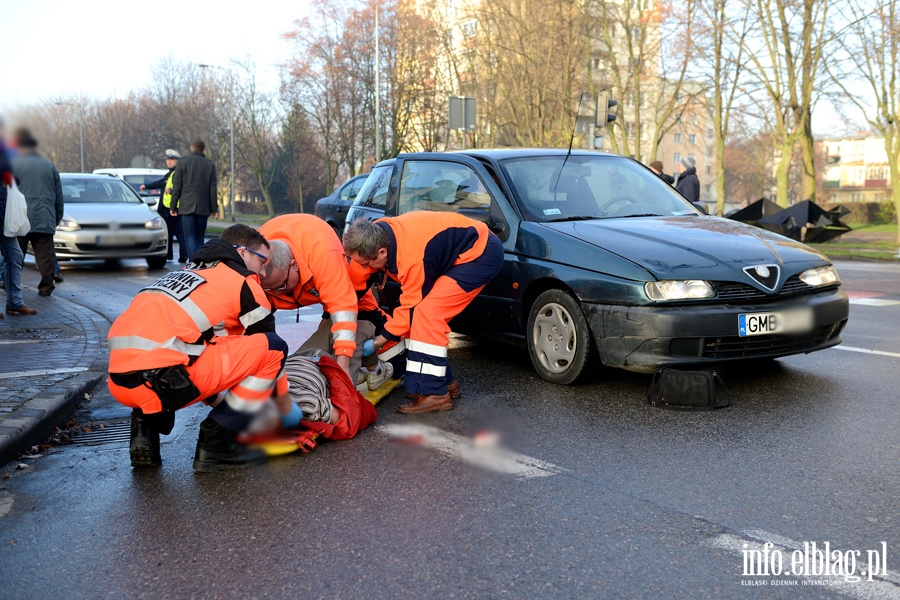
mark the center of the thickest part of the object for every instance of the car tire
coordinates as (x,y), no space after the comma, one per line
(156,262)
(559,339)
(338,232)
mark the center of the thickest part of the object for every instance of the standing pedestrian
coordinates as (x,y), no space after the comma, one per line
(39,182)
(442,261)
(10,251)
(688,184)
(194,186)
(657,167)
(192,335)
(173,223)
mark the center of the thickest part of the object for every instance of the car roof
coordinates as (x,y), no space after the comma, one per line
(504,153)
(103,176)
(131,171)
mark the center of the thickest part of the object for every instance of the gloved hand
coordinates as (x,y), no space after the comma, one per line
(369,348)
(292,419)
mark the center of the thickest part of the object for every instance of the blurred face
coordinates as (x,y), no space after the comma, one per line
(378,262)
(255,259)
(171,162)
(281,281)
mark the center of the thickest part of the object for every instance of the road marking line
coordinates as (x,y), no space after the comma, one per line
(41,372)
(866,351)
(874,301)
(492,458)
(6,503)
(883,585)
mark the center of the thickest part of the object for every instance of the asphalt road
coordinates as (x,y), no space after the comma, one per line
(527,489)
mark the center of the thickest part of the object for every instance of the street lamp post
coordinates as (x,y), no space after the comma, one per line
(80,128)
(230,131)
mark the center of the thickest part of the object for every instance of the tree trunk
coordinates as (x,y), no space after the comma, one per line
(782,174)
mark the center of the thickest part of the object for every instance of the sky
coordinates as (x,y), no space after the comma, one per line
(107,48)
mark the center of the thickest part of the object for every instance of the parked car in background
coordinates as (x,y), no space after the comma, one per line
(106,219)
(333,208)
(604,260)
(136,178)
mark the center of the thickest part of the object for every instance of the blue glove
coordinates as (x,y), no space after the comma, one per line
(369,348)
(292,419)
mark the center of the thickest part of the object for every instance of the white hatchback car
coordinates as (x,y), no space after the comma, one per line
(105,219)
(136,178)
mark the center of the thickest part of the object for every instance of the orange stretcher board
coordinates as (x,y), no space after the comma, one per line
(286,442)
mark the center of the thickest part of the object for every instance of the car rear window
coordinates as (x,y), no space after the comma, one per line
(98,190)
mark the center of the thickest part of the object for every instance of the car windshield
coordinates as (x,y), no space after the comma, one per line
(99,190)
(560,188)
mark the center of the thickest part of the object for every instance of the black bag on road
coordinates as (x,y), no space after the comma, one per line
(688,390)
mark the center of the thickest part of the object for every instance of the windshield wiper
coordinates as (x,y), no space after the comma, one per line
(641,215)
(575,218)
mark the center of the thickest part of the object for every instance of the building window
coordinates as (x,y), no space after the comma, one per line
(709,132)
(676,157)
(692,139)
(693,119)
(468,29)
(709,152)
(677,138)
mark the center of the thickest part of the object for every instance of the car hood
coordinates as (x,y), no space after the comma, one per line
(104,213)
(693,247)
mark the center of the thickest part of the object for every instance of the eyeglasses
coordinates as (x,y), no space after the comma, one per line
(287,278)
(262,257)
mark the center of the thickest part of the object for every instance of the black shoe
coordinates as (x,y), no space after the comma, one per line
(58,278)
(218,450)
(144,446)
(45,294)
(183,259)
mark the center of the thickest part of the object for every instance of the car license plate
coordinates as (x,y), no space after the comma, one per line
(114,240)
(787,321)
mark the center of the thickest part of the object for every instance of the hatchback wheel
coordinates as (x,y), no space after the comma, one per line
(559,339)
(156,262)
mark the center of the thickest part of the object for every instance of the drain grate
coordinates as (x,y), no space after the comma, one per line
(117,433)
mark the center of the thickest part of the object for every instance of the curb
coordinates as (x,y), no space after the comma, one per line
(35,420)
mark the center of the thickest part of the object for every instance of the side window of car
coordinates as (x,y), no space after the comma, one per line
(345,191)
(355,187)
(440,186)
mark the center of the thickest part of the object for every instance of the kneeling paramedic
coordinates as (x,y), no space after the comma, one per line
(442,261)
(193,334)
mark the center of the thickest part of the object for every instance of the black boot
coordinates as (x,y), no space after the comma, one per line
(144,446)
(217,450)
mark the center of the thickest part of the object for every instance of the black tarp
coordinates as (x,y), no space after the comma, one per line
(805,222)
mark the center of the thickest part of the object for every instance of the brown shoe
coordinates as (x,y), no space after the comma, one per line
(22,310)
(424,404)
(452,389)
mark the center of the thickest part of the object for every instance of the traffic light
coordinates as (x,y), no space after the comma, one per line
(602,116)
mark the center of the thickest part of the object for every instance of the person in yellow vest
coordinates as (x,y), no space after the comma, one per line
(172,223)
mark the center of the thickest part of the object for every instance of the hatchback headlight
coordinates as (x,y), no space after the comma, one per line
(820,276)
(68,225)
(692,289)
(154,223)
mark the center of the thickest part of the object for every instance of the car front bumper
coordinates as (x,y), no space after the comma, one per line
(647,338)
(107,244)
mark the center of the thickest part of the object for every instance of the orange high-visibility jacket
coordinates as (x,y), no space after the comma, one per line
(323,274)
(171,321)
(424,246)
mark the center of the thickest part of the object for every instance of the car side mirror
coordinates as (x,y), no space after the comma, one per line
(701,207)
(484,216)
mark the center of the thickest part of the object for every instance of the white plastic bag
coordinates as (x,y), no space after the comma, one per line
(15,220)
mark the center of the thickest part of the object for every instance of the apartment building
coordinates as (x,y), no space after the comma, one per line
(856,169)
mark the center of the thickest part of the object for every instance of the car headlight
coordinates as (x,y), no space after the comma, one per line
(820,276)
(154,223)
(68,225)
(692,289)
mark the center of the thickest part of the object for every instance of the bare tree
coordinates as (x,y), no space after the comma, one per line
(872,59)
(785,60)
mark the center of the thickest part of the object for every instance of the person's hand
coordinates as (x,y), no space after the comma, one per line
(369,348)
(292,419)
(213,216)
(142,187)
(174,212)
(167,191)
(343,362)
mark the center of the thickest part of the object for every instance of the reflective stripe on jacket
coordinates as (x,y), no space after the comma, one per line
(323,274)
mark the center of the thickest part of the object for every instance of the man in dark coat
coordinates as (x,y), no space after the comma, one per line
(39,183)
(657,167)
(194,186)
(688,184)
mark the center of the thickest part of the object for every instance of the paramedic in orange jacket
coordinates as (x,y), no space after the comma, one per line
(442,261)
(315,272)
(193,334)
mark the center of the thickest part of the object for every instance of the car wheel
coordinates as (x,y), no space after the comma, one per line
(156,262)
(338,232)
(559,339)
